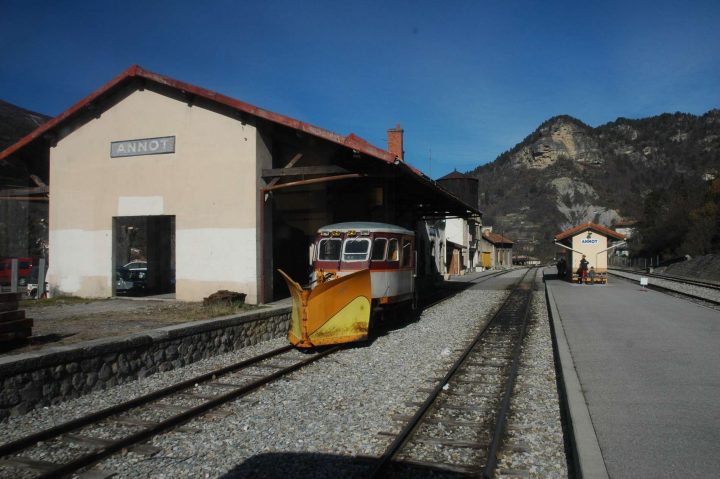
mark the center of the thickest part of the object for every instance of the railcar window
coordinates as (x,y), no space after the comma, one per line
(406,253)
(329,249)
(378,249)
(393,250)
(356,249)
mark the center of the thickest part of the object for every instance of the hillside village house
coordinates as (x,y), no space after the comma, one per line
(211,192)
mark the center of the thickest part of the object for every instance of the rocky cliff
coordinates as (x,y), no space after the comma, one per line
(566,173)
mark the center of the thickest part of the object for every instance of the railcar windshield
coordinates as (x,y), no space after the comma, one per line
(329,249)
(356,249)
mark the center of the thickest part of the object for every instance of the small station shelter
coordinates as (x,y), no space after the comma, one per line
(589,239)
(207,191)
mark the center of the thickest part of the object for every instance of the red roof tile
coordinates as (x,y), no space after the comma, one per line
(589,226)
(495,238)
(135,71)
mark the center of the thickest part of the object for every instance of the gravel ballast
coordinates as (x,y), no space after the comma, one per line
(320,421)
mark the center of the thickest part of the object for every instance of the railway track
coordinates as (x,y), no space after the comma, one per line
(453,288)
(77,444)
(458,429)
(678,279)
(712,287)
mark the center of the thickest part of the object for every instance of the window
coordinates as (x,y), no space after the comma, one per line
(378,249)
(406,253)
(356,249)
(329,249)
(393,250)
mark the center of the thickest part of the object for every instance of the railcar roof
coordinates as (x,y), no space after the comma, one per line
(366,226)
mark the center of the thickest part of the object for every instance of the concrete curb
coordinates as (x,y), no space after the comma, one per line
(588,459)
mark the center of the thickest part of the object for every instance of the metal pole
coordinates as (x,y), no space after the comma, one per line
(41,279)
(14,275)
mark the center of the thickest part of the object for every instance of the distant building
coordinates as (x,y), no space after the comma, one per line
(462,235)
(591,240)
(495,250)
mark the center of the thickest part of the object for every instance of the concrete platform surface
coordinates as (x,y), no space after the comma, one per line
(649,368)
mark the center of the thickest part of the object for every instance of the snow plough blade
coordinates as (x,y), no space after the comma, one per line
(334,312)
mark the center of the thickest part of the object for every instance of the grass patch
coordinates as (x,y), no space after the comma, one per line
(58,300)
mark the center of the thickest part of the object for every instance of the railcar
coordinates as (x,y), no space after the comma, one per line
(359,269)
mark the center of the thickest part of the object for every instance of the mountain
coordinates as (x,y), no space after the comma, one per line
(23,224)
(16,122)
(566,173)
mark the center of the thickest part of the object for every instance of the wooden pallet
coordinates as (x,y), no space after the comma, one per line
(13,323)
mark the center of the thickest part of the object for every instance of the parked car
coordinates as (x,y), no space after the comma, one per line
(133,265)
(24,270)
(32,284)
(129,282)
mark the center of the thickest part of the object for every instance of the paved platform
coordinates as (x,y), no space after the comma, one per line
(643,375)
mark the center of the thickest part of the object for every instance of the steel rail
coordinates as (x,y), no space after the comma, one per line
(501,419)
(478,280)
(95,456)
(384,461)
(670,277)
(672,292)
(18,445)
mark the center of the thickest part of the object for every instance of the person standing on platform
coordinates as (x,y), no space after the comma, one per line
(591,275)
(561,266)
(583,270)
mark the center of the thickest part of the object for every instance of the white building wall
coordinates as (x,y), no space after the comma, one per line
(208,184)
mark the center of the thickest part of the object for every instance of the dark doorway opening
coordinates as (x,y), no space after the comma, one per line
(143,255)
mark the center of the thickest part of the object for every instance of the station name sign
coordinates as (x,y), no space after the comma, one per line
(589,241)
(145,146)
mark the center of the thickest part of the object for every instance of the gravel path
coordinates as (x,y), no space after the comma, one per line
(320,422)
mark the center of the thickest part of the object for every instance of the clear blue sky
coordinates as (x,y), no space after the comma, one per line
(466,79)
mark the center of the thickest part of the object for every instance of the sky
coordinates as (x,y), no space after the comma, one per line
(466,80)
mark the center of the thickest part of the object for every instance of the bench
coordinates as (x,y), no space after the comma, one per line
(600,278)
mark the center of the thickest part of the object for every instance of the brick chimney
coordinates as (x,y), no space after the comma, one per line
(395,142)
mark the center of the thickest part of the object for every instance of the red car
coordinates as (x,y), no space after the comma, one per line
(24,270)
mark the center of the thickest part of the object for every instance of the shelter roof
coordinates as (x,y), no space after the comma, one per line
(496,238)
(444,201)
(589,226)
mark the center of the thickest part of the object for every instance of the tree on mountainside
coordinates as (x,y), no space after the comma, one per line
(683,219)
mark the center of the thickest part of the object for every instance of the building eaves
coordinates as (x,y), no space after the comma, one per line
(589,226)
(495,238)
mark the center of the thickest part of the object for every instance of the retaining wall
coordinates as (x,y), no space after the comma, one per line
(53,375)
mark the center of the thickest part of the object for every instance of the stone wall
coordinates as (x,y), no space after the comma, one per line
(54,375)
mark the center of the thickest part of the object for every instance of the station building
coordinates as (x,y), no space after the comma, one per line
(591,240)
(211,192)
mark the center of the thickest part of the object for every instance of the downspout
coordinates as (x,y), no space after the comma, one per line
(261,202)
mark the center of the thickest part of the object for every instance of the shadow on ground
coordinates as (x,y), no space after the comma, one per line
(296,465)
